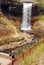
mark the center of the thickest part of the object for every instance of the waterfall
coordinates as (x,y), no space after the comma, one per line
(26,22)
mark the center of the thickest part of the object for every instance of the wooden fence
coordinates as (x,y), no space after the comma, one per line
(23,59)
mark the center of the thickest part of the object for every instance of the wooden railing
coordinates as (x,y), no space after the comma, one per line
(24,56)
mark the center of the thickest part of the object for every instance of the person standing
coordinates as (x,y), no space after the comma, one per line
(12,54)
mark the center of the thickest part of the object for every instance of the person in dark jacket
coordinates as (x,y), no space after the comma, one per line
(12,54)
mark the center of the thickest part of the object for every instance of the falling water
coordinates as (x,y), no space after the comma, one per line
(26,23)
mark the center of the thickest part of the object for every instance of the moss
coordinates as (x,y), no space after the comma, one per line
(41,18)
